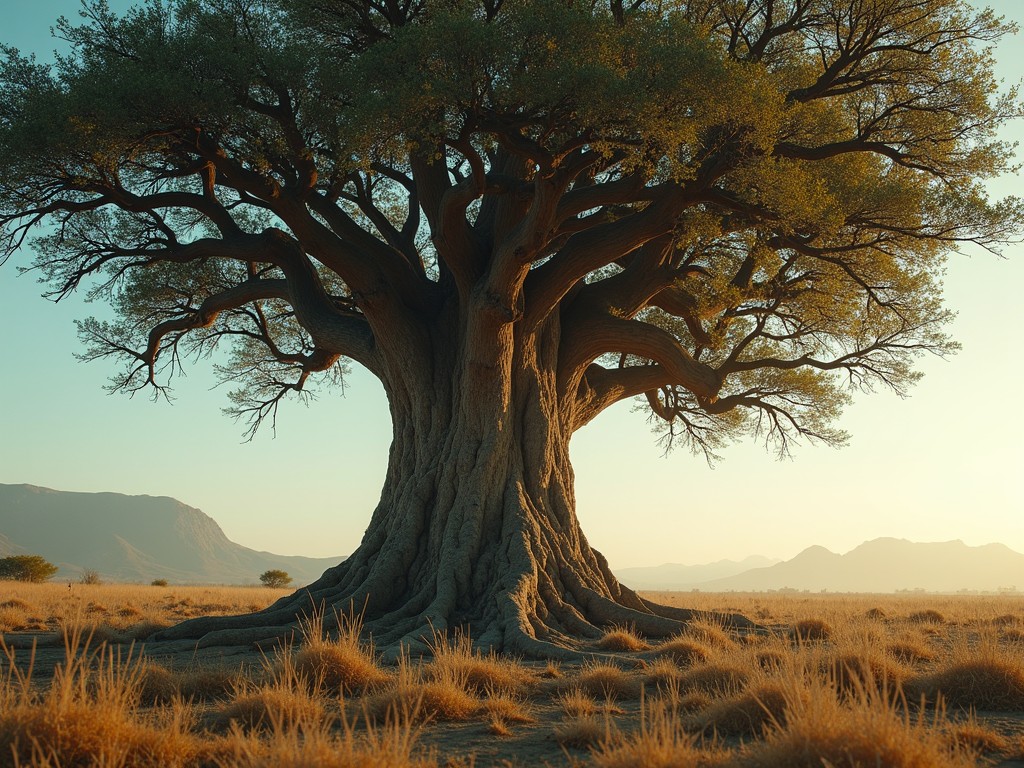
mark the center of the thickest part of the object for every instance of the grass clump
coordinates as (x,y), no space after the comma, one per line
(89,714)
(810,631)
(607,681)
(928,616)
(746,713)
(985,679)
(482,674)
(660,741)
(622,639)
(441,695)
(867,729)
(684,651)
(335,744)
(715,679)
(581,732)
(343,663)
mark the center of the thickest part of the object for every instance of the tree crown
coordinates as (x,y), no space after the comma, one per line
(738,210)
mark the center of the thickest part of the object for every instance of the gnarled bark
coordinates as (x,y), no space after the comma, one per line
(476,528)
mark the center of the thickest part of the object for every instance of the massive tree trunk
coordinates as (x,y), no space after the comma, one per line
(476,528)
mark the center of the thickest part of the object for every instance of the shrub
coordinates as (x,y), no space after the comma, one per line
(90,576)
(26,568)
(158,583)
(275,578)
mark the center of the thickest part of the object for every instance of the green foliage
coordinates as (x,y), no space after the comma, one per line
(275,578)
(158,583)
(766,197)
(32,568)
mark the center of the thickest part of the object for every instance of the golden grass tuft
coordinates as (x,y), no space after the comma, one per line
(508,709)
(709,632)
(208,683)
(607,681)
(659,742)
(747,713)
(974,737)
(88,715)
(581,732)
(992,682)
(850,672)
(928,616)
(661,673)
(269,708)
(910,650)
(810,630)
(454,658)
(622,639)
(157,684)
(342,664)
(441,696)
(332,745)
(715,679)
(684,651)
(867,729)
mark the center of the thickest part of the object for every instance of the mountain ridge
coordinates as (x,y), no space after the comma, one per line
(887,564)
(134,538)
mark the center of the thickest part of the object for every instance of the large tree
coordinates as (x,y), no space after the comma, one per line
(515,214)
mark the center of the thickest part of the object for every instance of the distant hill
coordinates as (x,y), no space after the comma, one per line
(134,539)
(677,576)
(887,565)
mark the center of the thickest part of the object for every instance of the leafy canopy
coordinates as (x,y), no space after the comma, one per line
(32,568)
(737,208)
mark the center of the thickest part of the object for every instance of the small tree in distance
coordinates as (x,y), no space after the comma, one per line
(26,568)
(275,579)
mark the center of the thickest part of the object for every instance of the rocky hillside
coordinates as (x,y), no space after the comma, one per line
(134,539)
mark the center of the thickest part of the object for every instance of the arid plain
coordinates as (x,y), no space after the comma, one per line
(827,680)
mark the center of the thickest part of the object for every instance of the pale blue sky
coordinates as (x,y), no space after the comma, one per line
(943,464)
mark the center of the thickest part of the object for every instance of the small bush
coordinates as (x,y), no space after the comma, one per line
(90,576)
(158,583)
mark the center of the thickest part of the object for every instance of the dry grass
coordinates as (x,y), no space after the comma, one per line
(441,695)
(658,742)
(684,651)
(982,677)
(582,732)
(867,729)
(604,680)
(709,697)
(622,639)
(747,713)
(340,664)
(810,630)
(455,659)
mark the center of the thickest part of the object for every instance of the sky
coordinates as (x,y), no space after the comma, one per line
(943,464)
